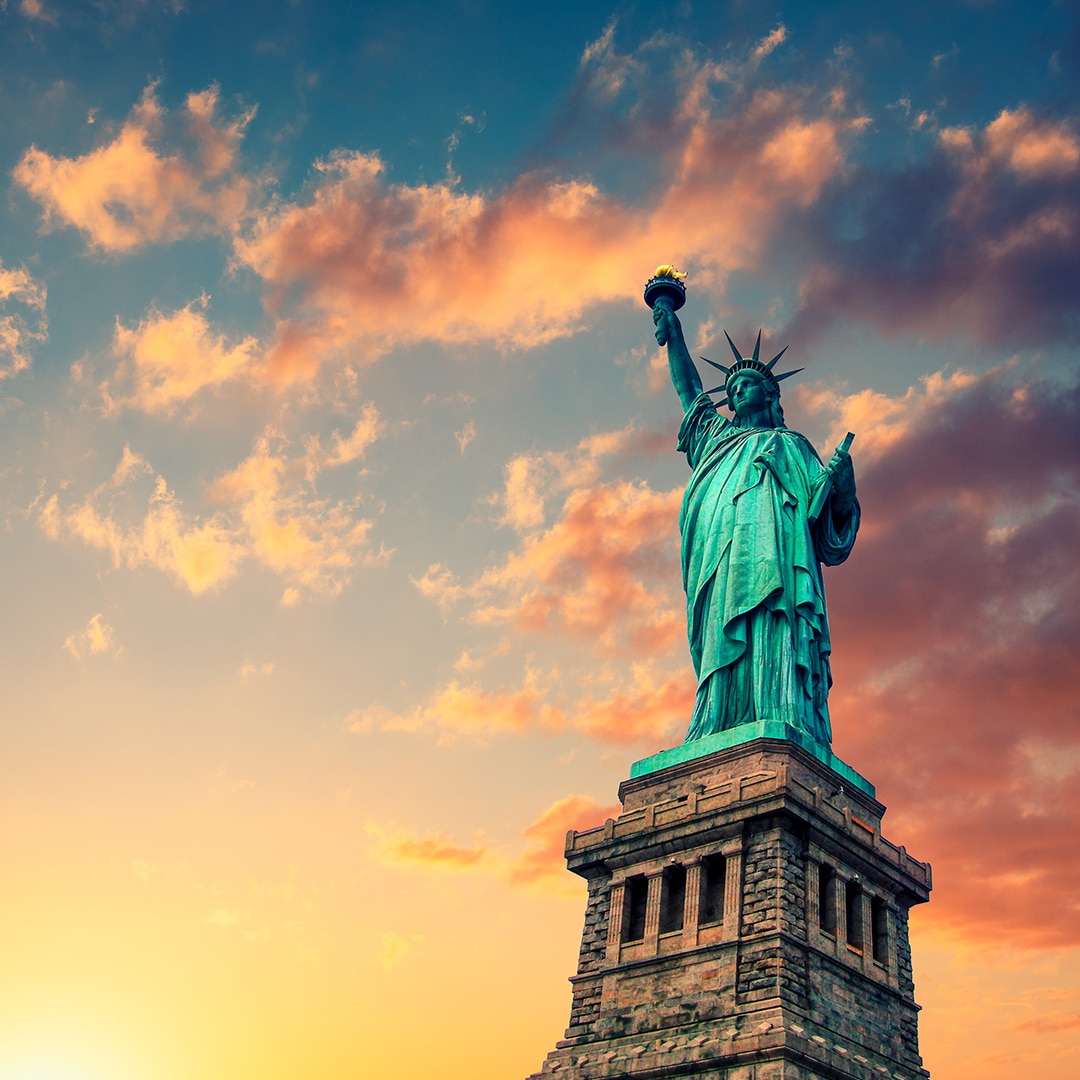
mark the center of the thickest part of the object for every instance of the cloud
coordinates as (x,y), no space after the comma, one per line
(469,709)
(641,706)
(94,638)
(395,947)
(543,863)
(398,847)
(540,865)
(465,435)
(956,640)
(169,358)
(773,40)
(268,512)
(604,569)
(199,554)
(979,238)
(241,920)
(224,917)
(1048,1023)
(362,263)
(312,543)
(249,668)
(601,572)
(343,449)
(881,420)
(21,328)
(132,191)
(35,9)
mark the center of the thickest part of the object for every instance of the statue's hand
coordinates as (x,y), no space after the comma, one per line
(667,323)
(843,479)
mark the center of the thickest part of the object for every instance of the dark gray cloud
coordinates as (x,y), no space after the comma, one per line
(980,238)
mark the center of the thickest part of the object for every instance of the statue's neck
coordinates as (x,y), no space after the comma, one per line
(762,419)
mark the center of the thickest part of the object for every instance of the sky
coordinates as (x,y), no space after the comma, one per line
(340,497)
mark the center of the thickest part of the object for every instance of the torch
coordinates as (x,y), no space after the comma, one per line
(666,287)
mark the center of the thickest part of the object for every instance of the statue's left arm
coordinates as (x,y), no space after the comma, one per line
(834,534)
(843,482)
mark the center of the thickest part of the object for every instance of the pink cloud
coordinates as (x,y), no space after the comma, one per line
(955,651)
(131,191)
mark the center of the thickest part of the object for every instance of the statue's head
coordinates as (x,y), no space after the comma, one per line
(750,368)
(752,393)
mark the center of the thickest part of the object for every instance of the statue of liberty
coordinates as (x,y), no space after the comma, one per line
(760,516)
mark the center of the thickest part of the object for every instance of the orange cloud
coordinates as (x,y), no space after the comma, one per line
(1018,140)
(361,261)
(546,836)
(880,420)
(469,710)
(96,637)
(395,947)
(35,9)
(270,513)
(130,192)
(199,554)
(19,329)
(607,570)
(168,359)
(1048,1023)
(639,706)
(398,847)
(540,865)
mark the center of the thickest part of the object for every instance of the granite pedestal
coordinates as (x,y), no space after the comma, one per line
(746,920)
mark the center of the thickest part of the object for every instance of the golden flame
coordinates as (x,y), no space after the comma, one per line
(669,271)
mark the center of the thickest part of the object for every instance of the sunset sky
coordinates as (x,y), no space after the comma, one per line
(340,498)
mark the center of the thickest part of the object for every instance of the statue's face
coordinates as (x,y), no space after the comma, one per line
(748,394)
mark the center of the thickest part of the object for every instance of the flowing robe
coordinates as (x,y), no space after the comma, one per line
(755,601)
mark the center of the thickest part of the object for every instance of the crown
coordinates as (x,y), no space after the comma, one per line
(749,363)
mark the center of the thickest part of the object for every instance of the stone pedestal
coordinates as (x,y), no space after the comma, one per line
(746,920)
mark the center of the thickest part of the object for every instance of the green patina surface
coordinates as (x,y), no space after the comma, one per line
(736,736)
(760,517)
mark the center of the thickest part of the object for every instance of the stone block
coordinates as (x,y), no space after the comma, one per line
(770,991)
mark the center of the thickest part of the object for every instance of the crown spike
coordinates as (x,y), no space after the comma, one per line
(788,374)
(719,367)
(757,345)
(738,355)
(769,365)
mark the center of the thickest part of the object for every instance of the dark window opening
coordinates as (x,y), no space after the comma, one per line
(853,897)
(673,899)
(713,873)
(637,892)
(879,921)
(827,898)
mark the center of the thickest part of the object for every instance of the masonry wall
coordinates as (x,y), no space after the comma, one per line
(775,989)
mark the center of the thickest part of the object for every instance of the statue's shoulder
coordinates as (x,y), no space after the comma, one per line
(800,442)
(701,421)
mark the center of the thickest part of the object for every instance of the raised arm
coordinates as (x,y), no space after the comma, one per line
(684,375)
